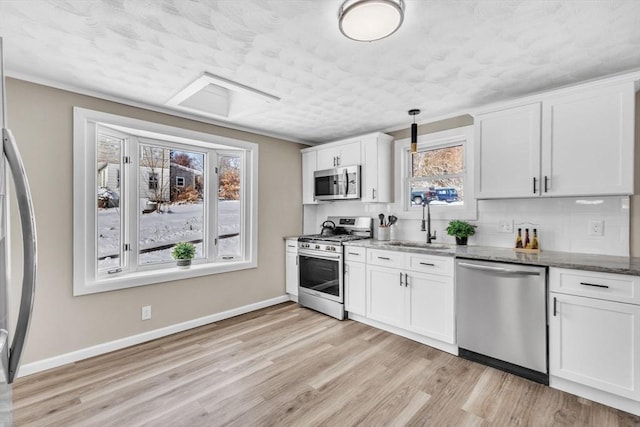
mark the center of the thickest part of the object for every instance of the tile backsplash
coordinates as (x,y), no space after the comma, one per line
(562,223)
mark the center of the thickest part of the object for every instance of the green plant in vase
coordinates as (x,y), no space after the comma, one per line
(461,230)
(183,253)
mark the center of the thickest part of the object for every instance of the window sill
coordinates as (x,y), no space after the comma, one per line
(151,277)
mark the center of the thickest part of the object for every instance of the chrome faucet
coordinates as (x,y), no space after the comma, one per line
(430,238)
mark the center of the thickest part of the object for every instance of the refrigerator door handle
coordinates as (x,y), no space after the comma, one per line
(4,335)
(27,219)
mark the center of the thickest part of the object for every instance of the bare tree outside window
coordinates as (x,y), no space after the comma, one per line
(438,176)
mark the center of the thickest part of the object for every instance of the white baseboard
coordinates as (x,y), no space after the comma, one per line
(96,350)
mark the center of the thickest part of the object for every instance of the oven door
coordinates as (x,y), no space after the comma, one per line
(321,274)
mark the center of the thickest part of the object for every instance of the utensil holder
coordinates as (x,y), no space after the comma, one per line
(384,233)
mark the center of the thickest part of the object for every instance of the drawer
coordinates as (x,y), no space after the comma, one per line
(607,286)
(355,253)
(439,265)
(385,258)
(292,245)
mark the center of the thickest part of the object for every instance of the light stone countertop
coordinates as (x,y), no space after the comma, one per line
(590,262)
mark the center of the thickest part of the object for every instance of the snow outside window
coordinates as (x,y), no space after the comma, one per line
(156,186)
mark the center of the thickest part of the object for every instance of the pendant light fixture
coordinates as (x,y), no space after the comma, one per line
(414,131)
(369,20)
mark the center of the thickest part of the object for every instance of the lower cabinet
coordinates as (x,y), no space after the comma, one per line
(595,343)
(355,277)
(291,266)
(414,301)
(385,295)
(429,301)
(594,336)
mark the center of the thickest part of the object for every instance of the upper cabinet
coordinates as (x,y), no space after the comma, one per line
(508,152)
(372,152)
(376,169)
(347,154)
(577,142)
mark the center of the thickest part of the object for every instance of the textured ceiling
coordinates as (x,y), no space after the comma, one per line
(449,56)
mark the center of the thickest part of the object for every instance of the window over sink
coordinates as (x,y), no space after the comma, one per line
(439,173)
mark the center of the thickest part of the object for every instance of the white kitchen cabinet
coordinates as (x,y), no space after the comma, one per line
(412,291)
(508,152)
(385,295)
(309,164)
(587,142)
(376,168)
(291,266)
(594,344)
(355,278)
(335,154)
(429,306)
(576,142)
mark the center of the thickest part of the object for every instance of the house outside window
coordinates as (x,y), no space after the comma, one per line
(152,181)
(157,186)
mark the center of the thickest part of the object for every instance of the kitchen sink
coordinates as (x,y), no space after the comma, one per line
(417,245)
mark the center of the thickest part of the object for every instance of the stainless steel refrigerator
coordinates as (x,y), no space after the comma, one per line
(12,343)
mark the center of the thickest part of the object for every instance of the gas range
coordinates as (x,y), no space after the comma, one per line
(321,267)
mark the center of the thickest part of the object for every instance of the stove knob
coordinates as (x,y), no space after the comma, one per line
(317,246)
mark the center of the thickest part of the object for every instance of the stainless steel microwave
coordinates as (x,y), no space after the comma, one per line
(341,183)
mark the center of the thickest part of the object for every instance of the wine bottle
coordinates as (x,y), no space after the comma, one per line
(527,242)
(519,238)
(534,242)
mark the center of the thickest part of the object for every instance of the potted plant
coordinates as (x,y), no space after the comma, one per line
(461,230)
(183,253)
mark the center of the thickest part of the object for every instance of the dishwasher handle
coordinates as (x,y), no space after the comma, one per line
(498,269)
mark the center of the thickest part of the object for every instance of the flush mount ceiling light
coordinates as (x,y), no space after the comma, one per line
(414,131)
(369,20)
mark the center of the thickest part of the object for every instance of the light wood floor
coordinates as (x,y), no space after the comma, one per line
(289,366)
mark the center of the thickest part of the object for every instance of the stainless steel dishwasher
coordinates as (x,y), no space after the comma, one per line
(502,316)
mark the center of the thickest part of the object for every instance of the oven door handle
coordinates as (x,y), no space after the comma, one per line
(336,257)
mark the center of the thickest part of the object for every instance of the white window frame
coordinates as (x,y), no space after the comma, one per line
(86,279)
(458,136)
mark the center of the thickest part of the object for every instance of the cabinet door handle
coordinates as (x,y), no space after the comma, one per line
(338,161)
(594,285)
(406,279)
(428,264)
(373,193)
(400,279)
(534,185)
(546,184)
(555,306)
(384,258)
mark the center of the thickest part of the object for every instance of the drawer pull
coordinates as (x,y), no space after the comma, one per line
(384,258)
(428,264)
(353,253)
(401,279)
(555,306)
(594,285)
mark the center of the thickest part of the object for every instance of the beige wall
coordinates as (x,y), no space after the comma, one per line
(41,119)
(446,124)
(634,215)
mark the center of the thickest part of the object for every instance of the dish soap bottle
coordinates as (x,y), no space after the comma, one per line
(534,242)
(519,238)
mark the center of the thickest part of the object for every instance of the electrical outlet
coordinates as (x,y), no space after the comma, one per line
(146,312)
(505,226)
(596,227)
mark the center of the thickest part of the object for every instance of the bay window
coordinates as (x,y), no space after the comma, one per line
(156,186)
